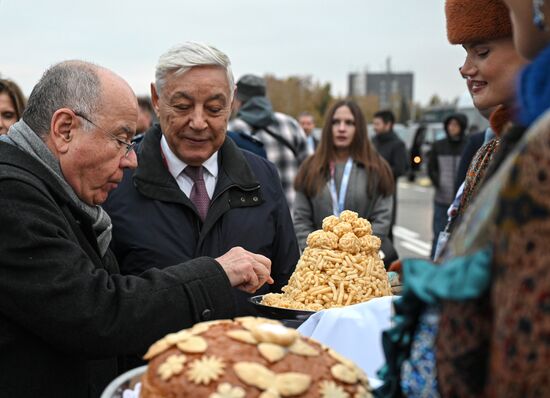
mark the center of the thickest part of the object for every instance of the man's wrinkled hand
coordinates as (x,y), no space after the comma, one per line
(246,271)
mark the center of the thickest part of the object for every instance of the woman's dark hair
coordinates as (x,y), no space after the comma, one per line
(314,172)
(16,95)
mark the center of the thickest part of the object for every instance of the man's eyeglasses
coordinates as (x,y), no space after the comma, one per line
(130,146)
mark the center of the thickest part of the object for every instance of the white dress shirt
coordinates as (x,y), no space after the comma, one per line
(176,167)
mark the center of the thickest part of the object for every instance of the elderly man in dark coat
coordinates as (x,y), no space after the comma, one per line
(162,213)
(65,312)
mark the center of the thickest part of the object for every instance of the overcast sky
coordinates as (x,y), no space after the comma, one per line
(321,38)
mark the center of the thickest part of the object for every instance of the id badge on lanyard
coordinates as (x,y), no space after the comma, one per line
(442,240)
(338,200)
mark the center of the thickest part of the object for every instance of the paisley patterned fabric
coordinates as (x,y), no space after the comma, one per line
(418,374)
(509,330)
(462,347)
(520,297)
(500,325)
(462,341)
(476,172)
(503,334)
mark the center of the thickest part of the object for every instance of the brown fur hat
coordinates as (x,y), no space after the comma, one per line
(476,20)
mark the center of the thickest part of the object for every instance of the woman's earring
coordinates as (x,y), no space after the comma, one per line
(538,15)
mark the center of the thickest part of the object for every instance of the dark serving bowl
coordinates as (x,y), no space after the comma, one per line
(290,317)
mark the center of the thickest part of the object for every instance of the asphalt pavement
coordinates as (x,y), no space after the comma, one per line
(413,228)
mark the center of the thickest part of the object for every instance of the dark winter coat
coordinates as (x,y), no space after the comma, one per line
(65,314)
(155,223)
(444,160)
(393,150)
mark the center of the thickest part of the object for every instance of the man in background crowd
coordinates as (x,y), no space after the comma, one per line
(392,149)
(443,165)
(145,117)
(307,121)
(283,138)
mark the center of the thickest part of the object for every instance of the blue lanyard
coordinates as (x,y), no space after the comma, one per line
(338,200)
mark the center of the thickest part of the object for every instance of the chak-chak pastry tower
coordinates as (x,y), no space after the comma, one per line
(340,266)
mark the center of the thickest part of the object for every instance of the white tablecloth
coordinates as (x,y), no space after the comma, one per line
(354,331)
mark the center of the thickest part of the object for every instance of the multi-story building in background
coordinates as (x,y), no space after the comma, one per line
(394,90)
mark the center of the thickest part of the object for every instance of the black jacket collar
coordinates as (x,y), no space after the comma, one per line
(386,137)
(12,156)
(153,179)
(15,157)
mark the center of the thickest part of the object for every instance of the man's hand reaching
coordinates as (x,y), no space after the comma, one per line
(246,271)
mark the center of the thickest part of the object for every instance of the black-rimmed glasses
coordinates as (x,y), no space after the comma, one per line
(130,146)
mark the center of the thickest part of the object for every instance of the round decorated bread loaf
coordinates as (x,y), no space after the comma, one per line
(248,358)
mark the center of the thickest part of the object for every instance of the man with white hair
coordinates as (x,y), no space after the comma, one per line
(65,311)
(195,193)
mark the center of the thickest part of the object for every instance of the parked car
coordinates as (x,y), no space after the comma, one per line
(405,133)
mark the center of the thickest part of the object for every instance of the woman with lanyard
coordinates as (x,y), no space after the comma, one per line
(345,173)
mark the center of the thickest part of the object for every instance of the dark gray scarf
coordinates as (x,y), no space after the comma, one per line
(28,141)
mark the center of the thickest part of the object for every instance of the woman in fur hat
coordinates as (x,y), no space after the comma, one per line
(490,68)
(480,333)
(484,29)
(520,343)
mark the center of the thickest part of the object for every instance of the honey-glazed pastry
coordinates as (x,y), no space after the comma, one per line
(340,266)
(322,240)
